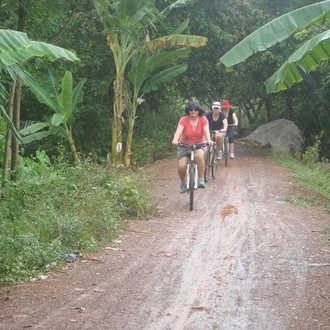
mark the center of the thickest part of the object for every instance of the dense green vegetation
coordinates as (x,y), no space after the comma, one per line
(59,191)
(56,208)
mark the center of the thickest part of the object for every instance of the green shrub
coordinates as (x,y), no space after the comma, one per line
(23,256)
(56,209)
(311,154)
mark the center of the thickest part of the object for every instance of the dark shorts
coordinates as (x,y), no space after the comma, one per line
(183,151)
(230,133)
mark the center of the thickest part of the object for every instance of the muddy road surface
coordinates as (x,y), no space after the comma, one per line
(246,258)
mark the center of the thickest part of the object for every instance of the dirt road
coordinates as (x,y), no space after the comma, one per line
(245,258)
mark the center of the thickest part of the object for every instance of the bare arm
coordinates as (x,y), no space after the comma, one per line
(235,120)
(225,124)
(177,134)
(207,135)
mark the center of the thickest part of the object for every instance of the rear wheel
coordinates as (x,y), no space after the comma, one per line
(191,187)
(214,162)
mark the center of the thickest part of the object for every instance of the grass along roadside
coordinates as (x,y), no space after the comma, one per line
(313,176)
(57,209)
(312,180)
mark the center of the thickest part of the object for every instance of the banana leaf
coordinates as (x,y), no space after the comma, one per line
(15,47)
(159,79)
(10,124)
(303,60)
(175,41)
(36,136)
(34,128)
(275,31)
(44,94)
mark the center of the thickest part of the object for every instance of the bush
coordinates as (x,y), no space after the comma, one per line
(54,209)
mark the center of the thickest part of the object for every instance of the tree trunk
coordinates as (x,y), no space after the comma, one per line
(128,152)
(119,107)
(74,153)
(8,137)
(17,90)
(16,122)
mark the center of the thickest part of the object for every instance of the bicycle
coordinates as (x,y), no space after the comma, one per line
(191,172)
(211,161)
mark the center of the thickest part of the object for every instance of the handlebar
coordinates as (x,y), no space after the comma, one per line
(192,146)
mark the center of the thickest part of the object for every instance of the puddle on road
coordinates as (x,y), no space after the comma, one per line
(228,209)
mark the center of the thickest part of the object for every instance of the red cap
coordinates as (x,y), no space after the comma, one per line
(225,104)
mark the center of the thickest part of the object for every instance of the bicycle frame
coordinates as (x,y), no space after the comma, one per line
(224,149)
(192,180)
(191,173)
(211,161)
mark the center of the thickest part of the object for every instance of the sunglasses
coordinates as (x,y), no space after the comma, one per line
(192,109)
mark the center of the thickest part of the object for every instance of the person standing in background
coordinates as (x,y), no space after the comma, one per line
(232,121)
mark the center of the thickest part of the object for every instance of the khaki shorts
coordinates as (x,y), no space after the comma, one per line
(183,151)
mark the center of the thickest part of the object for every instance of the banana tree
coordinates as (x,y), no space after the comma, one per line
(64,105)
(15,50)
(127,24)
(141,81)
(306,58)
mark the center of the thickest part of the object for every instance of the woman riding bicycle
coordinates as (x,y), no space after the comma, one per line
(192,128)
(217,122)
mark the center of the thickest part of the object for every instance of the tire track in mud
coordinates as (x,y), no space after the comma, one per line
(233,230)
(223,232)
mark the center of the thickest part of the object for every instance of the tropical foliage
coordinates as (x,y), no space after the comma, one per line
(127,24)
(306,58)
(64,105)
(15,50)
(81,208)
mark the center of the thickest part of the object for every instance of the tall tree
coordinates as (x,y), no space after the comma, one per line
(127,24)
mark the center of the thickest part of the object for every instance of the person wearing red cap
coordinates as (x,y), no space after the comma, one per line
(232,121)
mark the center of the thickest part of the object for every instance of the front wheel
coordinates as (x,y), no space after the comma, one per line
(215,163)
(208,164)
(191,187)
(226,149)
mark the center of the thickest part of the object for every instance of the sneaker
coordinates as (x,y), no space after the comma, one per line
(182,188)
(232,156)
(219,154)
(201,183)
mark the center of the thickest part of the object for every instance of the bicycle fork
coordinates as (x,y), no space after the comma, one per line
(192,168)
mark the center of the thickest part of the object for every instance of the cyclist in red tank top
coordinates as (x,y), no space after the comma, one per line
(192,128)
